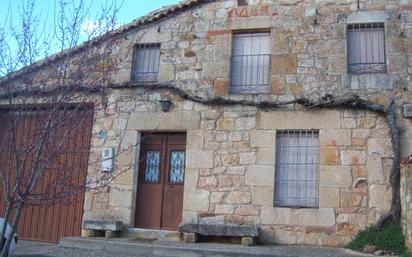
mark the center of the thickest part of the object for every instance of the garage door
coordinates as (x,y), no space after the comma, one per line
(68,151)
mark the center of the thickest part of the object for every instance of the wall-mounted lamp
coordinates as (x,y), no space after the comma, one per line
(165,105)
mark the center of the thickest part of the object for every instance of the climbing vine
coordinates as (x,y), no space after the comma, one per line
(328,102)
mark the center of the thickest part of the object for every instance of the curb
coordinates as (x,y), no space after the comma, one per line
(167,248)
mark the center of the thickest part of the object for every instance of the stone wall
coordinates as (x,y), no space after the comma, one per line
(230,165)
(406,186)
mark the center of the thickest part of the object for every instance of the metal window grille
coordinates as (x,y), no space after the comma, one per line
(366,48)
(146,61)
(250,63)
(297,168)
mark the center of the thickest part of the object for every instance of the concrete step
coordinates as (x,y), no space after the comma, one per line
(154,234)
(159,248)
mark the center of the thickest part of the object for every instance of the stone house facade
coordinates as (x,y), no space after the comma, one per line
(313,177)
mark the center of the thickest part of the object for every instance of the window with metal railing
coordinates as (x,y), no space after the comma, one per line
(366,48)
(297,169)
(250,63)
(146,59)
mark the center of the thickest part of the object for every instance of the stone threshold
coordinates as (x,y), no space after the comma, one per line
(171,248)
(154,234)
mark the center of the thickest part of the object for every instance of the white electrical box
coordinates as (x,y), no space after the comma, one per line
(107,159)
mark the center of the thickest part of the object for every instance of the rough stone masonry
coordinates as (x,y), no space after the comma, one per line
(230,162)
(231,150)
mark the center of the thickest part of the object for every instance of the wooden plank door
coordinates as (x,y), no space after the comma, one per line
(50,220)
(161,180)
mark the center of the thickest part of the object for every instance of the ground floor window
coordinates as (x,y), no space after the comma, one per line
(297,168)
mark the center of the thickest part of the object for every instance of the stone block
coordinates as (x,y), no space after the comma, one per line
(380,146)
(210,181)
(266,155)
(353,157)
(111,234)
(196,200)
(299,120)
(336,137)
(166,72)
(92,233)
(220,229)
(191,177)
(190,238)
(335,177)
(246,123)
(263,195)
(349,200)
(247,210)
(126,177)
(380,197)
(125,158)
(195,139)
(221,87)
(262,138)
(199,158)
(121,196)
(348,123)
(248,241)
(260,175)
(184,120)
(328,198)
(224,209)
(226,124)
(360,137)
(239,197)
(277,85)
(322,217)
(247,158)
(153,35)
(102,225)
(375,170)
(217,197)
(328,156)
(284,64)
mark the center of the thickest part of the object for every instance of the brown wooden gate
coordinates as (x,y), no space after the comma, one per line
(58,217)
(161,180)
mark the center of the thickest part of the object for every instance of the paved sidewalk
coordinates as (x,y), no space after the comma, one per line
(85,247)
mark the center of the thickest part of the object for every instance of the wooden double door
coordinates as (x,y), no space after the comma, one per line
(161,180)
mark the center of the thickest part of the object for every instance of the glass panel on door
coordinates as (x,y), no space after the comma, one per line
(152,166)
(177,167)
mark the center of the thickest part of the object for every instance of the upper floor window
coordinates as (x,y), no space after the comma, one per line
(366,48)
(250,64)
(297,168)
(146,59)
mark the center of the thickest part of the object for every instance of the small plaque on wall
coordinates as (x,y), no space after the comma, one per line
(407,110)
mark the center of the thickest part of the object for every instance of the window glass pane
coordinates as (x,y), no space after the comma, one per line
(177,166)
(152,166)
(250,63)
(366,48)
(297,168)
(146,62)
